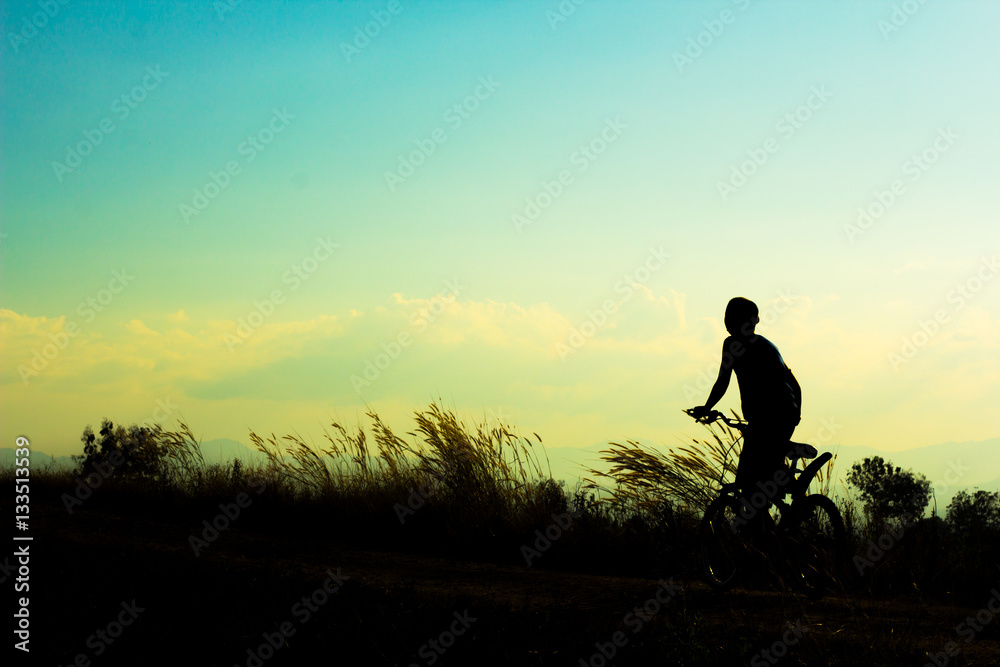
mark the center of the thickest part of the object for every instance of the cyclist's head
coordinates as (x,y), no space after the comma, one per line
(741,316)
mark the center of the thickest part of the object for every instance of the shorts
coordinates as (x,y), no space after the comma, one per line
(764,447)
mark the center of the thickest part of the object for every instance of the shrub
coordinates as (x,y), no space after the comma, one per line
(889,492)
(138,453)
(975,515)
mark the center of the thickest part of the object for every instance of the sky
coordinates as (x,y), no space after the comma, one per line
(273,215)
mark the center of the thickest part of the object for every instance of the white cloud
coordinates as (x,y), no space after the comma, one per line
(637,363)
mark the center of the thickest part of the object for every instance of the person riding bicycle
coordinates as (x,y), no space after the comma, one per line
(771,396)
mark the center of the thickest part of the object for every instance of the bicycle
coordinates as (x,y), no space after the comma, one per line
(809,533)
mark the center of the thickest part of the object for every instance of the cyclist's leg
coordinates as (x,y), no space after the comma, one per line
(752,469)
(776,434)
(764,447)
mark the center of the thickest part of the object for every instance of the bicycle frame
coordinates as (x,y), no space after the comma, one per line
(804,527)
(801,478)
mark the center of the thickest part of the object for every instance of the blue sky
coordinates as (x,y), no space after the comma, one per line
(842,302)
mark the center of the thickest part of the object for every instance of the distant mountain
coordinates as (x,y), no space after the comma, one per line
(950,467)
(573,463)
(36,459)
(213,451)
(992,485)
(224,450)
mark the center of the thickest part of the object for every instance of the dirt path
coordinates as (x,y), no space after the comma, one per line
(244,584)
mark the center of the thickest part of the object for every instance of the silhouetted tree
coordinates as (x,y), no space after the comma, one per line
(975,514)
(133,452)
(889,492)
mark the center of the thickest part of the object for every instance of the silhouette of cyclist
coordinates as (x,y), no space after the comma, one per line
(771,397)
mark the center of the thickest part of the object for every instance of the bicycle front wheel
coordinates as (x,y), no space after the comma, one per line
(819,542)
(721,542)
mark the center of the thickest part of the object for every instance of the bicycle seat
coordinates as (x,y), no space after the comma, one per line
(800,450)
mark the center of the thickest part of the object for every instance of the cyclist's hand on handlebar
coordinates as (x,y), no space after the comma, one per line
(700,412)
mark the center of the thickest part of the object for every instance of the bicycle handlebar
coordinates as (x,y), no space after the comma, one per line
(715,415)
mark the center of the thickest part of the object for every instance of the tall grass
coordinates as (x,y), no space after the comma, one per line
(481,478)
(452,484)
(686,478)
(449,482)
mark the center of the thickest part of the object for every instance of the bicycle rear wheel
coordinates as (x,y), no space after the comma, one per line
(721,543)
(818,541)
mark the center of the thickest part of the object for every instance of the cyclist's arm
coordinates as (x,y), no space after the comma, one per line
(722,382)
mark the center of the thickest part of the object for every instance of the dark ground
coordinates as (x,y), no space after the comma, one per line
(210,609)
